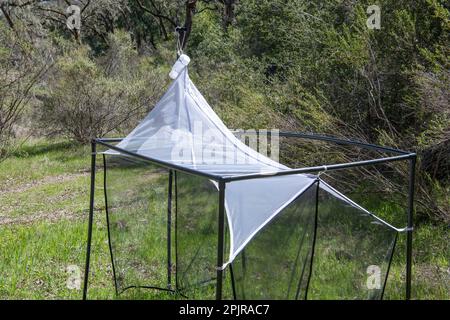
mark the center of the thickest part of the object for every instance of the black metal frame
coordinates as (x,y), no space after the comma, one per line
(400,155)
(313,248)
(91,217)
(169,231)
(108,226)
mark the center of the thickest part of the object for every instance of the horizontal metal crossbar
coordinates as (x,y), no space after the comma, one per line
(401,155)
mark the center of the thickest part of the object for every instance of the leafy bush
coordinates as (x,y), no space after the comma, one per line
(93,97)
(296,65)
(20,71)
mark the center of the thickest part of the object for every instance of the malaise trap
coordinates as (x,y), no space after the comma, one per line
(194,211)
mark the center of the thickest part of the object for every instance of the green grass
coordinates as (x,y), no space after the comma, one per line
(44,196)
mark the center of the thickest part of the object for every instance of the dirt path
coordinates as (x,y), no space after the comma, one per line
(36,183)
(41,215)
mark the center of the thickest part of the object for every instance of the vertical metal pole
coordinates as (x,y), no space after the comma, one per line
(220,240)
(169,232)
(409,234)
(108,225)
(313,248)
(91,217)
(176,230)
(233,285)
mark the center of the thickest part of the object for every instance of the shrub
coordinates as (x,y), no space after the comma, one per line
(93,97)
(19,73)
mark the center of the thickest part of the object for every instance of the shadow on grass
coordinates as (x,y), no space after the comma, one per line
(43,148)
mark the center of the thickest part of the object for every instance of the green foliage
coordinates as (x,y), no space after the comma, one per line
(91,97)
(21,68)
(40,241)
(295,65)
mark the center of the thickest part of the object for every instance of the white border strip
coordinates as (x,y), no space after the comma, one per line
(354,204)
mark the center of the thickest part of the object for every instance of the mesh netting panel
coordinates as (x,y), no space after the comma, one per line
(276,262)
(345,231)
(197,208)
(352,254)
(137,194)
(381,188)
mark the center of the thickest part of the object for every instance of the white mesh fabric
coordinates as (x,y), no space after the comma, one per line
(174,132)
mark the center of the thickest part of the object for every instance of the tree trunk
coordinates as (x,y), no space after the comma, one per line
(228,13)
(186,32)
(163,29)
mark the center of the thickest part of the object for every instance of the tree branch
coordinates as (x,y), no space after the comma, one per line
(190,9)
(156,14)
(7,16)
